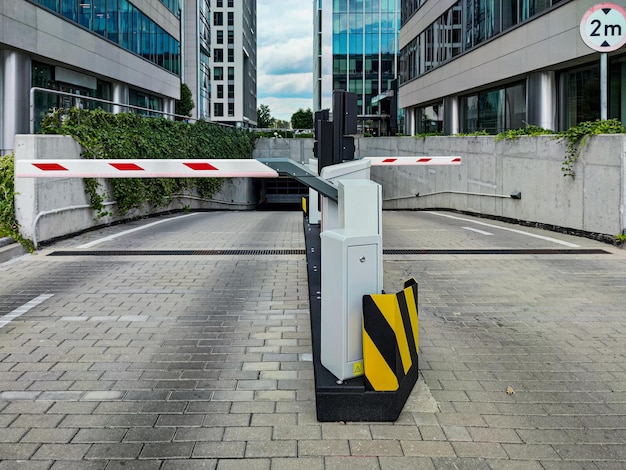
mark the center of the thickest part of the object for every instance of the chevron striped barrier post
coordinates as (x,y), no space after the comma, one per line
(390,340)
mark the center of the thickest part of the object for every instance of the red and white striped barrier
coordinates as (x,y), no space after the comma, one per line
(414,160)
(148,168)
(154,168)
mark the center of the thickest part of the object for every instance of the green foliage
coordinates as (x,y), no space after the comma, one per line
(264,117)
(577,136)
(472,134)
(130,136)
(529,130)
(302,119)
(8,224)
(423,135)
(185,104)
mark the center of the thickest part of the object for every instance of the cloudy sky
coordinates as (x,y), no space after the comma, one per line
(284,56)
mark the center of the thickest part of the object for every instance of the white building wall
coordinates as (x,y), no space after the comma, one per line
(244,64)
(34,33)
(546,43)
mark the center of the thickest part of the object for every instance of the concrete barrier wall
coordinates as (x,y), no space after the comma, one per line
(594,201)
(48,208)
(298,150)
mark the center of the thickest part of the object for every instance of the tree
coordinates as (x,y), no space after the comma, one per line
(302,119)
(280,124)
(185,104)
(264,118)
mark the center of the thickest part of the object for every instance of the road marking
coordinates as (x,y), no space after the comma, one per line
(121,234)
(521,232)
(19,311)
(482,232)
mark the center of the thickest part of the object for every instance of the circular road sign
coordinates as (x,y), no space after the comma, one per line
(603,27)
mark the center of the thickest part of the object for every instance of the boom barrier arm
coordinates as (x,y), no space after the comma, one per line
(301,173)
(212,168)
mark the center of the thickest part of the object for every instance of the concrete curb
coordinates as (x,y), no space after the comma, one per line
(9,249)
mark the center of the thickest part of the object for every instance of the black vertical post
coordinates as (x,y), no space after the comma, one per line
(345,125)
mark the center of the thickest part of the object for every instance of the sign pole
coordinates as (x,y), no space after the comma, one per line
(604,86)
(603,29)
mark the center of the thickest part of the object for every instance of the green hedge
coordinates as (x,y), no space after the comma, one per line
(131,136)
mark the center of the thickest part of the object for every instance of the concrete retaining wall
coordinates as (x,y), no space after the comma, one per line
(48,208)
(594,201)
(298,150)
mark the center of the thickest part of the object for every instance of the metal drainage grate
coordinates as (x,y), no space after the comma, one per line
(502,251)
(409,251)
(175,252)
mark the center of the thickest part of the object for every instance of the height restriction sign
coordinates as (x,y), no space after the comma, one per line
(603,27)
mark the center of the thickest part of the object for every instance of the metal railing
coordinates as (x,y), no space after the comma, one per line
(79,98)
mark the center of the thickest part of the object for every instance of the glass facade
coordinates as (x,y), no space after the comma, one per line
(467,24)
(43,76)
(204,68)
(580,91)
(365,47)
(409,7)
(122,23)
(494,110)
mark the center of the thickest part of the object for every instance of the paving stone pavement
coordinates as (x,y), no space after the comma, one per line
(203,362)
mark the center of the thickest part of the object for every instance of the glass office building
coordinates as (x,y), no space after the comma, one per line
(361,56)
(495,65)
(62,53)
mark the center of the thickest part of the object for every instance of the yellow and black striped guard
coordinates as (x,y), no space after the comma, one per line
(390,337)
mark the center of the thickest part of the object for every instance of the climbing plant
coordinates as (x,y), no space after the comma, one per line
(576,137)
(131,136)
(8,223)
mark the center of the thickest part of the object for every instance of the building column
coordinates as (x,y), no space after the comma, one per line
(169,106)
(16,91)
(451,115)
(120,95)
(541,100)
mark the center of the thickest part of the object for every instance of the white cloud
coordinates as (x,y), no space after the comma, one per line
(285,55)
(292,85)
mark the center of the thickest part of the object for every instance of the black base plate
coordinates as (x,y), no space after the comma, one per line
(348,400)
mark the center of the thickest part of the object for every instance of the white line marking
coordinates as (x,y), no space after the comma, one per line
(19,311)
(482,232)
(521,232)
(121,234)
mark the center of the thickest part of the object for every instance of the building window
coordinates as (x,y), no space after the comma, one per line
(231,91)
(219,36)
(231,37)
(218,18)
(231,73)
(495,110)
(124,24)
(218,55)
(218,73)
(220,91)
(231,18)
(617,89)
(218,109)
(429,119)
(465,25)
(580,91)
(231,109)
(230,3)
(231,55)
(220,4)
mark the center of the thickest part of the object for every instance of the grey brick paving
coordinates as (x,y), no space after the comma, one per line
(204,362)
